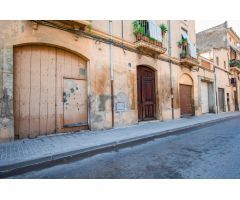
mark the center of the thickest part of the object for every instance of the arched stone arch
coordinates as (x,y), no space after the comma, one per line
(52,44)
(147,61)
(186,79)
(147,66)
(52,37)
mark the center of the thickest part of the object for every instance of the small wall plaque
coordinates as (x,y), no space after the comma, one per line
(120,106)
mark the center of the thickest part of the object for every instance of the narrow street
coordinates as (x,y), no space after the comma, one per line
(209,152)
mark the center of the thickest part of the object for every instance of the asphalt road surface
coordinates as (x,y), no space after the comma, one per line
(209,152)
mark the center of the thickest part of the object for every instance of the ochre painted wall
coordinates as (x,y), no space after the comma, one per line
(96,55)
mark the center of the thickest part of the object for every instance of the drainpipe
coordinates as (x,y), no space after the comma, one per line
(216,94)
(237,93)
(170,64)
(111,71)
(215,80)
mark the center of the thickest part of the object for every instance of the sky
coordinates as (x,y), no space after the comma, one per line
(205,24)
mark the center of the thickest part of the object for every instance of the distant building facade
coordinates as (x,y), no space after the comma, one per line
(219,46)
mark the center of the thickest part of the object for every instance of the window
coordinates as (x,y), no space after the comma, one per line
(184,22)
(217,60)
(145,25)
(225,64)
(184,33)
(150,29)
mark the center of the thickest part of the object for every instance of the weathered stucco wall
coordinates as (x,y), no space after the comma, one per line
(222,77)
(206,75)
(223,56)
(215,37)
(222,81)
(6,78)
(96,54)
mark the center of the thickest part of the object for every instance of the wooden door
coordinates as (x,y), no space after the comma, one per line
(186,106)
(34,91)
(228,102)
(236,101)
(221,99)
(39,73)
(146,93)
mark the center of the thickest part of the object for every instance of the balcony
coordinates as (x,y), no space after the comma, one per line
(186,57)
(234,65)
(148,37)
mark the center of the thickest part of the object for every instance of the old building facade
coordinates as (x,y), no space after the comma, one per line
(219,47)
(64,76)
(60,76)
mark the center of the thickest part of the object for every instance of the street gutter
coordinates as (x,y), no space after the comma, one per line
(12,169)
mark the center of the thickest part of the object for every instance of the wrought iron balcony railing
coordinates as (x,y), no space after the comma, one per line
(186,57)
(148,36)
(234,63)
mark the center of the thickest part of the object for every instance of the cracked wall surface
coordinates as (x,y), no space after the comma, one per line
(17,33)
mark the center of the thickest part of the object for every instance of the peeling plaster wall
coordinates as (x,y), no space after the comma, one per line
(125,87)
(165,90)
(6,82)
(97,56)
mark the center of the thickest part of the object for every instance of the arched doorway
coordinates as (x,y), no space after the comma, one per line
(186,95)
(50,91)
(146,93)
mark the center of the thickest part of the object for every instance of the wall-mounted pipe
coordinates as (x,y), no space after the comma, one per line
(170,65)
(111,71)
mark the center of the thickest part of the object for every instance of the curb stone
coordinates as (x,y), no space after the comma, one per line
(27,165)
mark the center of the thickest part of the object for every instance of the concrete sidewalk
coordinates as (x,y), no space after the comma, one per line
(28,152)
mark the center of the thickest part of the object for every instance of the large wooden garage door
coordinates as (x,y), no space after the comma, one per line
(39,73)
(186,100)
(204,97)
